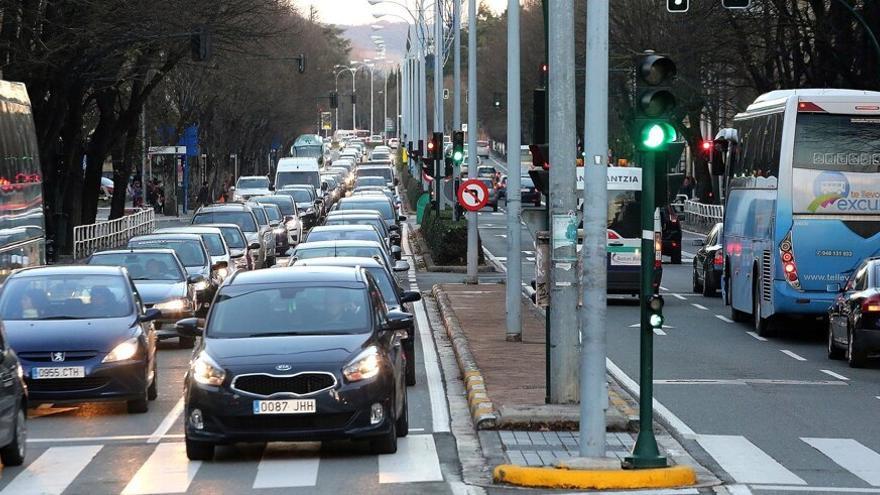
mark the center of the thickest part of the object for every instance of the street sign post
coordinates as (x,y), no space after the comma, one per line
(473,195)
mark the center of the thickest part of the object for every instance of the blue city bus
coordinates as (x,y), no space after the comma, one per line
(803,201)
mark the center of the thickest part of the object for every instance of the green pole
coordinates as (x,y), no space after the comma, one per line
(645,454)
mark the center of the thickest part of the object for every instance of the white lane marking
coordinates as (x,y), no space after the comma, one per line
(835,375)
(286,465)
(664,288)
(736,490)
(757,337)
(745,462)
(503,236)
(416,460)
(528,252)
(877,396)
(53,471)
(416,430)
(529,258)
(439,411)
(700,306)
(167,470)
(632,387)
(692,255)
(679,297)
(850,455)
(724,318)
(792,355)
(813,489)
(659,332)
(167,423)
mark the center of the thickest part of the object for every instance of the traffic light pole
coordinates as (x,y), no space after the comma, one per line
(645,454)
(514,169)
(472,255)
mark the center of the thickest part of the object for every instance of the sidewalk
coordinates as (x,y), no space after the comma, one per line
(505,384)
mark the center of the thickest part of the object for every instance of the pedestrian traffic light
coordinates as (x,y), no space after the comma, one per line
(655,307)
(655,103)
(354,99)
(736,4)
(200,44)
(457,147)
(496,100)
(301,63)
(334,99)
(543,75)
(677,5)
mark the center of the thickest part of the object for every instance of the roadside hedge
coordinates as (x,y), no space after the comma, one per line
(446,238)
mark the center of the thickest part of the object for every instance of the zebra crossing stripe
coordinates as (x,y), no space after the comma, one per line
(53,471)
(278,469)
(415,461)
(850,455)
(167,470)
(745,462)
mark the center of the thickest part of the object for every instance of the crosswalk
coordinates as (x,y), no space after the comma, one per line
(163,468)
(748,464)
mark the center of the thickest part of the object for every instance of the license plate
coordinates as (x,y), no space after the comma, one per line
(290,406)
(58,372)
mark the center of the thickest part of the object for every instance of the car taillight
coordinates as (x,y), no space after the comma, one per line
(719,259)
(613,235)
(871,304)
(789,265)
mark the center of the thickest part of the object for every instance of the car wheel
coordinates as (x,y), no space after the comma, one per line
(697,288)
(762,325)
(833,351)
(13,454)
(402,425)
(139,405)
(410,352)
(153,389)
(855,354)
(199,451)
(186,342)
(707,289)
(387,443)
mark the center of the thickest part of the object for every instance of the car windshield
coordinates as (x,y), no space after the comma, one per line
(339,251)
(386,287)
(189,252)
(243,219)
(65,297)
(377,224)
(380,156)
(371,181)
(273,213)
(254,183)
(298,195)
(260,213)
(214,243)
(263,311)
(285,204)
(142,266)
(488,182)
(382,206)
(343,235)
(288,178)
(383,172)
(233,237)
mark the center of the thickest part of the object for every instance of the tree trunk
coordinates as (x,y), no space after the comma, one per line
(122,171)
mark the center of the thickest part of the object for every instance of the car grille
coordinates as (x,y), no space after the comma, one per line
(287,422)
(46,357)
(265,385)
(67,384)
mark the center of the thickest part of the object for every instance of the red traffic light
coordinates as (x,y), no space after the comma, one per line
(431,146)
(706,146)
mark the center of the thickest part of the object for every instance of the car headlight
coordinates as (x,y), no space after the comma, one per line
(175,305)
(223,272)
(201,285)
(123,351)
(206,371)
(365,365)
(237,197)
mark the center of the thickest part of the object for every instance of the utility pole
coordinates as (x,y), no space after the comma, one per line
(353,100)
(472,217)
(564,343)
(456,66)
(514,169)
(593,393)
(398,117)
(371,100)
(438,67)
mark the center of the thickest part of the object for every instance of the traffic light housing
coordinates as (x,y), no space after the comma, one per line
(457,147)
(736,4)
(655,103)
(420,152)
(655,311)
(677,6)
(301,63)
(334,99)
(354,99)
(200,44)
(435,146)
(496,101)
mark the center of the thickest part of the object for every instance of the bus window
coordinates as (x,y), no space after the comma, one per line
(624,214)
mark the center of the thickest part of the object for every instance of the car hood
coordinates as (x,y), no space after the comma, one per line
(154,291)
(198,270)
(293,350)
(100,334)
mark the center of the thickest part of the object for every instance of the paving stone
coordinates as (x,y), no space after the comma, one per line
(532,458)
(507,438)
(552,438)
(516,457)
(537,438)
(522,437)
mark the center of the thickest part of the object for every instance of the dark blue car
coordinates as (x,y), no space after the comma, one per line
(82,334)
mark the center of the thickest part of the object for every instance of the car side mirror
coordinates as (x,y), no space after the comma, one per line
(401,266)
(254,245)
(194,279)
(398,320)
(220,264)
(393,228)
(324,186)
(698,242)
(236,253)
(272,188)
(833,288)
(401,218)
(150,315)
(188,327)
(410,296)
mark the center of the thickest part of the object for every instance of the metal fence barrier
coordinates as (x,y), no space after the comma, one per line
(701,217)
(113,233)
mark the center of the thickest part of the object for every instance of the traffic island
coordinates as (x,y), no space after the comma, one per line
(418,246)
(610,478)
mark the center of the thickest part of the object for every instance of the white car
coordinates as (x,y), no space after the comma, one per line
(106,192)
(483,148)
(249,186)
(393,143)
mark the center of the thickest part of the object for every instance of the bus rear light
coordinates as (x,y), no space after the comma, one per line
(719,259)
(808,106)
(789,265)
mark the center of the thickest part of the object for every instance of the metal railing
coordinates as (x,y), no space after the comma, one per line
(701,217)
(113,233)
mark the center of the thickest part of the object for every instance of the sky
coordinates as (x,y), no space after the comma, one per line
(359,11)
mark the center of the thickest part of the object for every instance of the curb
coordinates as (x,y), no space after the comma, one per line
(542,477)
(481,408)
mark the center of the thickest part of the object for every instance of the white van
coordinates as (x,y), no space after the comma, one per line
(298,170)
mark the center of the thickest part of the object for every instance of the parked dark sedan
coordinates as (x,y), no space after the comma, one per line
(528,192)
(671,234)
(291,354)
(854,317)
(709,262)
(82,334)
(162,283)
(13,406)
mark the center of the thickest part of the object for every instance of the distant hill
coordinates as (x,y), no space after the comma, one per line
(363,47)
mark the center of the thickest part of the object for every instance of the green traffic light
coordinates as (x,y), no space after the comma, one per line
(457,156)
(657,135)
(656,321)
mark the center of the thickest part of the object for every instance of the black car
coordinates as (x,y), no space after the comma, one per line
(13,406)
(709,262)
(380,204)
(297,354)
(306,204)
(162,283)
(394,297)
(528,192)
(82,334)
(854,317)
(671,234)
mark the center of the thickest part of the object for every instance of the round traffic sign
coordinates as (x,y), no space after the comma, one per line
(473,195)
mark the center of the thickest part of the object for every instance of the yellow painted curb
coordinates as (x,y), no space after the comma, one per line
(542,477)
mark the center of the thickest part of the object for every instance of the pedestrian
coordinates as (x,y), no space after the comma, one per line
(203,198)
(687,187)
(137,195)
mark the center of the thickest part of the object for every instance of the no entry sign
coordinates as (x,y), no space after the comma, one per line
(473,195)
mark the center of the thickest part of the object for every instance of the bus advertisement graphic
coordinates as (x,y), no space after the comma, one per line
(833,192)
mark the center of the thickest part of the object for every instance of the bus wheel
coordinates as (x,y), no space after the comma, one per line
(762,325)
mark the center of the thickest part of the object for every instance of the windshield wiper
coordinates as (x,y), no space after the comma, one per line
(275,334)
(61,317)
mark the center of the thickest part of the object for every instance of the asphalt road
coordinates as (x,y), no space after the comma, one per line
(769,415)
(100,449)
